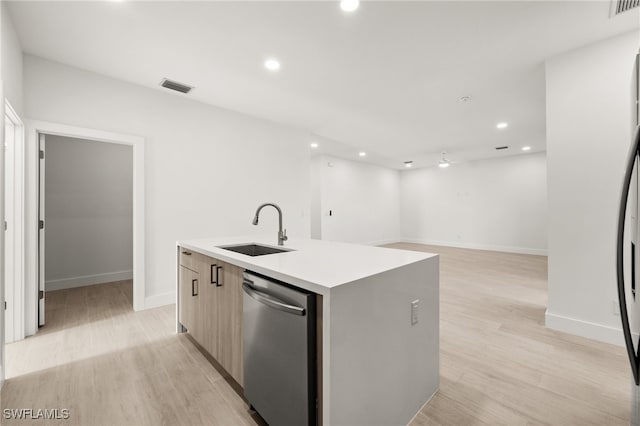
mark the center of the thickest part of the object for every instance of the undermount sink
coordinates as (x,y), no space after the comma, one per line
(254,249)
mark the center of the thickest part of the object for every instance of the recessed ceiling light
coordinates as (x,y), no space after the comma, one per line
(444,161)
(314,145)
(349,5)
(526,148)
(408,164)
(362,153)
(464,99)
(272,64)
(502,125)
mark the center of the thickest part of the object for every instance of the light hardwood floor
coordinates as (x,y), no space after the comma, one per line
(498,362)
(499,365)
(109,365)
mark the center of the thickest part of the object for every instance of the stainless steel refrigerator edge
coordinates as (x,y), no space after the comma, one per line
(279,351)
(627,253)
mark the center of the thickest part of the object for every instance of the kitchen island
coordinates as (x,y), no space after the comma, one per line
(377,319)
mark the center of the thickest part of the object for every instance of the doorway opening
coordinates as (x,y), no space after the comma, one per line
(96,218)
(85,187)
(85,228)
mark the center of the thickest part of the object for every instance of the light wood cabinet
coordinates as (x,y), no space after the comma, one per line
(189,259)
(189,309)
(209,305)
(229,302)
(210,308)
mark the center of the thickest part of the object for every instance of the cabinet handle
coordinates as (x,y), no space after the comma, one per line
(188,253)
(219,282)
(194,287)
(213,281)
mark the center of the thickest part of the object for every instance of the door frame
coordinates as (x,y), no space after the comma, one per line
(2,319)
(16,305)
(32,285)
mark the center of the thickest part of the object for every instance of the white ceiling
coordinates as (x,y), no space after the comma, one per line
(385,79)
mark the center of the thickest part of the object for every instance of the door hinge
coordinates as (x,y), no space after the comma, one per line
(41,294)
(41,224)
(41,154)
(5,305)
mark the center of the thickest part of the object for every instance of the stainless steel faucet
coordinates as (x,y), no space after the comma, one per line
(282,234)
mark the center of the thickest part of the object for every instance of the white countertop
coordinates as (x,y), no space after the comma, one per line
(312,264)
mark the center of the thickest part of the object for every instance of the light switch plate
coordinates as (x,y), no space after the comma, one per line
(414,311)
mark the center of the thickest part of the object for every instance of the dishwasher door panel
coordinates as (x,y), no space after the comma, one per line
(279,351)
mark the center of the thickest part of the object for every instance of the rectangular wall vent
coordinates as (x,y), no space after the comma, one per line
(174,85)
(620,6)
(502,147)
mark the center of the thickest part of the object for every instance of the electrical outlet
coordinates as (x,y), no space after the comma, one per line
(616,307)
(414,311)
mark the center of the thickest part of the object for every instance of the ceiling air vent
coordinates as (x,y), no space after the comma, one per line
(174,85)
(619,6)
(502,147)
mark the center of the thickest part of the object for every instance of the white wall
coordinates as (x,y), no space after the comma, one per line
(11,63)
(316,196)
(589,121)
(89,212)
(498,204)
(363,200)
(206,169)
(11,89)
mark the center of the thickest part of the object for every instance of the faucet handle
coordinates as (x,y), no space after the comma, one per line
(284,235)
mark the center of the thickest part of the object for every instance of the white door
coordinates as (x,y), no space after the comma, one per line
(41,224)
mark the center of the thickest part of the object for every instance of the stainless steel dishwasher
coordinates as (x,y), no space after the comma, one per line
(279,351)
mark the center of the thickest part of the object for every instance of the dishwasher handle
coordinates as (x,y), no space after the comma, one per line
(271,301)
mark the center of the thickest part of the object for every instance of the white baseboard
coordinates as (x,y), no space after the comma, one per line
(160,300)
(82,281)
(382,242)
(586,329)
(474,246)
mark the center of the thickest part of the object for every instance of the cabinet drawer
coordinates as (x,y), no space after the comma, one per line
(189,259)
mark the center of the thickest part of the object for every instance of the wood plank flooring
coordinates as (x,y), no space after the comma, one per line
(109,365)
(499,365)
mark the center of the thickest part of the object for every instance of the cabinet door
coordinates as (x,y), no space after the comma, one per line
(189,302)
(209,304)
(229,302)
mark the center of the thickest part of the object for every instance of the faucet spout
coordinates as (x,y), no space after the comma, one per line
(282,234)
